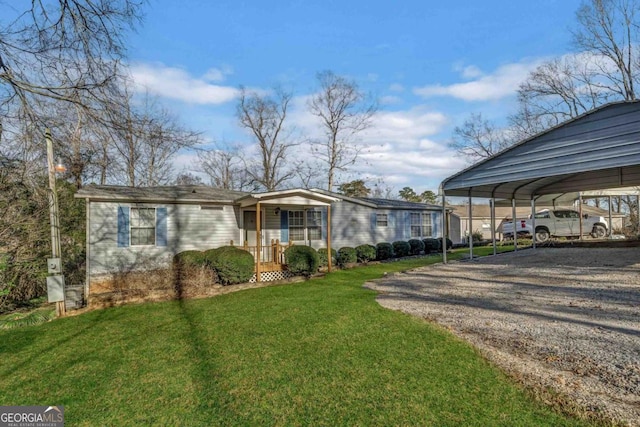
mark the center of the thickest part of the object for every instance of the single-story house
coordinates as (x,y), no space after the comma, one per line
(131,229)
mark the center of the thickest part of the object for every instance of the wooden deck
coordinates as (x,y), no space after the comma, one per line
(271,256)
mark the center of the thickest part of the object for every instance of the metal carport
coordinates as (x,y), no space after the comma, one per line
(597,150)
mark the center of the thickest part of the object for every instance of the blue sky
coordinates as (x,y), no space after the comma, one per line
(429,63)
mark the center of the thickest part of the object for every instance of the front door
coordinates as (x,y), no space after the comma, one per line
(249,221)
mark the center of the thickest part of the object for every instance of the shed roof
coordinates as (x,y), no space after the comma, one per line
(597,150)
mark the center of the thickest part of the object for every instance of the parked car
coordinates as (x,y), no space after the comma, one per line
(558,223)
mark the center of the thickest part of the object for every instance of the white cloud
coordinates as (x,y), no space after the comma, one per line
(401,148)
(503,82)
(390,100)
(217,74)
(471,72)
(176,83)
(396,87)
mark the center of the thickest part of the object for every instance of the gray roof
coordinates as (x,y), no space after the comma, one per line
(380,203)
(183,193)
(597,150)
(398,204)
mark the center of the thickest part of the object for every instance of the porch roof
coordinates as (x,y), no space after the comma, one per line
(299,197)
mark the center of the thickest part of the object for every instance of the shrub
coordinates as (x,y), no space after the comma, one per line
(324,260)
(303,260)
(233,265)
(365,253)
(449,243)
(431,245)
(401,248)
(190,259)
(416,246)
(384,251)
(346,255)
(477,236)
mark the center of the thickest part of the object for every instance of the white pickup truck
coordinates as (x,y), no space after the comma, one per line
(557,223)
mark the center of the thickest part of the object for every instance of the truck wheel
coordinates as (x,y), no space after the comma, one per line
(598,232)
(542,235)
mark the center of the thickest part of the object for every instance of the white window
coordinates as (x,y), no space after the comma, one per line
(143,226)
(296,225)
(314,225)
(420,225)
(382,220)
(299,231)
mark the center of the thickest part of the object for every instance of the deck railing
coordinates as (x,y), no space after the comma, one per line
(269,254)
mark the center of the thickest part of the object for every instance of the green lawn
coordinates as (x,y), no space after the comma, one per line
(321,352)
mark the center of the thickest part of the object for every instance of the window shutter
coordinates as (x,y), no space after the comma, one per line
(374,221)
(407,225)
(324,224)
(123,226)
(284,226)
(161,226)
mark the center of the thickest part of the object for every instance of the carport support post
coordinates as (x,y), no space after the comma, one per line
(492,205)
(637,212)
(470,236)
(610,227)
(513,221)
(580,213)
(329,238)
(444,228)
(533,223)
(258,242)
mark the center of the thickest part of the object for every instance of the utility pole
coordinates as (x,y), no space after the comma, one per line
(55,280)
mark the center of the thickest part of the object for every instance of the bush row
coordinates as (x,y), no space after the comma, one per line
(234,265)
(304,260)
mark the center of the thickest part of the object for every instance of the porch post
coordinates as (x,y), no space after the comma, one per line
(258,241)
(329,238)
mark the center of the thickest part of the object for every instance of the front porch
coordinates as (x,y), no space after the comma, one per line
(259,210)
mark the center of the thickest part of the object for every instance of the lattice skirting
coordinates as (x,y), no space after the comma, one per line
(272,276)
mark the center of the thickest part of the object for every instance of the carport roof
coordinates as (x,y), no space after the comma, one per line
(597,150)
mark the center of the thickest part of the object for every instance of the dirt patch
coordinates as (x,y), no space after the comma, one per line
(560,319)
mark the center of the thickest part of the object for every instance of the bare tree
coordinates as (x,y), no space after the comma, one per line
(604,69)
(265,117)
(609,28)
(187,178)
(344,111)
(225,168)
(478,138)
(52,50)
(146,138)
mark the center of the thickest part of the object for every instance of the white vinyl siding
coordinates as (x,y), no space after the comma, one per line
(188,228)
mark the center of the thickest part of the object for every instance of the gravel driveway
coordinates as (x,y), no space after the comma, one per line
(560,318)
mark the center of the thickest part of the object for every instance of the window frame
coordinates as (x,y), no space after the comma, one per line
(134,236)
(295,229)
(309,230)
(382,222)
(423,227)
